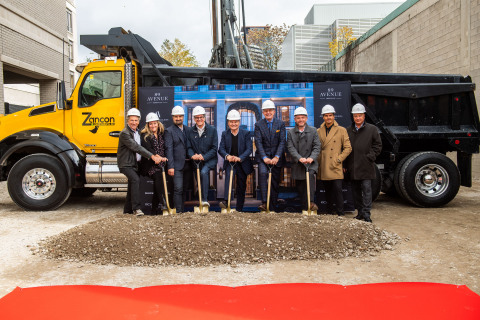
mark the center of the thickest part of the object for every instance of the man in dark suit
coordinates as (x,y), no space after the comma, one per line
(270,143)
(236,147)
(179,167)
(202,146)
(129,154)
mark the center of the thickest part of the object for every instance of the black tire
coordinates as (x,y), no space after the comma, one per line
(38,182)
(83,192)
(396,176)
(376,184)
(429,179)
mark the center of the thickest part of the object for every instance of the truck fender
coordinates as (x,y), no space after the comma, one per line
(54,144)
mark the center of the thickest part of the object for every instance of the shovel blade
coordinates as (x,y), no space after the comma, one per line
(172,211)
(205,209)
(165,212)
(197,210)
(313,212)
(306,212)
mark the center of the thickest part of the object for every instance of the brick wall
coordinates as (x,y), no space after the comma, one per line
(51,13)
(432,36)
(2,97)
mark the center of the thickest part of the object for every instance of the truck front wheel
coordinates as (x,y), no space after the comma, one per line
(429,179)
(38,182)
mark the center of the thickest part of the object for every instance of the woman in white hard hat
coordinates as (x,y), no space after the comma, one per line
(153,140)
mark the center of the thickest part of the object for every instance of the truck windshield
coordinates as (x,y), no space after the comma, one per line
(100,85)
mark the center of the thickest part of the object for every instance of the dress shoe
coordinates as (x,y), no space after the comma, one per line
(138,213)
(313,206)
(262,207)
(223,204)
(358,217)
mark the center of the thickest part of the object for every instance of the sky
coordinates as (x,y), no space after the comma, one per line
(187,20)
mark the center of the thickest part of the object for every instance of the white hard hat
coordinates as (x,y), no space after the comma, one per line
(178,111)
(233,115)
(152,117)
(198,110)
(328,109)
(133,112)
(358,108)
(300,111)
(268,104)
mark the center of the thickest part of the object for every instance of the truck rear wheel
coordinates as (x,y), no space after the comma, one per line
(38,182)
(428,179)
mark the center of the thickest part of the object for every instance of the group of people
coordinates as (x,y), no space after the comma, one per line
(331,152)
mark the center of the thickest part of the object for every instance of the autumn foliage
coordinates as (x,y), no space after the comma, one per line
(269,40)
(344,36)
(178,54)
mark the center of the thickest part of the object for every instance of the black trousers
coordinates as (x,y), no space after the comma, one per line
(182,182)
(241,185)
(302,190)
(158,192)
(263,183)
(132,202)
(334,195)
(362,193)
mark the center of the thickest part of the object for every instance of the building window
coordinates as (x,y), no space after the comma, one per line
(69,21)
(72,80)
(285,114)
(70,51)
(247,119)
(209,116)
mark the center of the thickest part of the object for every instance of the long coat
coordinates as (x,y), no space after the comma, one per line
(335,149)
(245,147)
(206,144)
(367,145)
(270,144)
(306,145)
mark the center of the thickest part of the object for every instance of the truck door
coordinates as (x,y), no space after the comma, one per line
(99,116)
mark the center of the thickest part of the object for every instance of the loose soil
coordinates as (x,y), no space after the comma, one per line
(437,245)
(213,238)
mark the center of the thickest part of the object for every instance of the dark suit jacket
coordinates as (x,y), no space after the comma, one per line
(268,145)
(206,145)
(127,147)
(245,147)
(176,147)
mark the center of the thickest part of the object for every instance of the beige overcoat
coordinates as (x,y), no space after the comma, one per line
(335,149)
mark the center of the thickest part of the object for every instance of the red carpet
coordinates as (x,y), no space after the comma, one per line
(274,301)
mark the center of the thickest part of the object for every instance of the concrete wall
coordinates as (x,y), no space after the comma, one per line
(430,36)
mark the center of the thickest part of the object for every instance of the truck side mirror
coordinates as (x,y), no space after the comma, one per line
(68,105)
(61,95)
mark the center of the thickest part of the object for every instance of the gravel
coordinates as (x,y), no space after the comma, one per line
(216,239)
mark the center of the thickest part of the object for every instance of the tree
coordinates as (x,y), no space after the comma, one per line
(343,38)
(178,54)
(269,40)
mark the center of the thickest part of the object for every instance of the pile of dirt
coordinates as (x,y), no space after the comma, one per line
(210,239)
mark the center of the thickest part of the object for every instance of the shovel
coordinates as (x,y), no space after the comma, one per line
(169,210)
(270,167)
(308,212)
(202,208)
(228,209)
